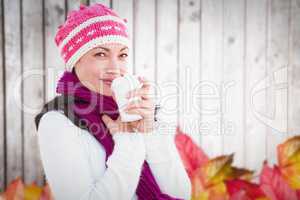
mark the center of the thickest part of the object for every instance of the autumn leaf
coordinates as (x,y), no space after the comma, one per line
(191,155)
(47,194)
(274,186)
(244,189)
(289,152)
(15,190)
(216,170)
(32,192)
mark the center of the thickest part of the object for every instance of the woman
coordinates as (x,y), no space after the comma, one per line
(86,151)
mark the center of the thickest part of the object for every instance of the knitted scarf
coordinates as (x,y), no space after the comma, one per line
(89,107)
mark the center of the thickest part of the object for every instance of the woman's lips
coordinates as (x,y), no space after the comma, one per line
(107,82)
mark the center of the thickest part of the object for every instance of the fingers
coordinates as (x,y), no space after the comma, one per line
(144,112)
(145,104)
(108,121)
(115,126)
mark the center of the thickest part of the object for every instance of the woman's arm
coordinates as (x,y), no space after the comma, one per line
(68,168)
(165,163)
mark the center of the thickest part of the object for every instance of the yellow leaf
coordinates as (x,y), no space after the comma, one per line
(287,150)
(32,192)
(215,170)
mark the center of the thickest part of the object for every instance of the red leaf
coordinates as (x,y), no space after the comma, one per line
(15,190)
(192,155)
(238,187)
(274,186)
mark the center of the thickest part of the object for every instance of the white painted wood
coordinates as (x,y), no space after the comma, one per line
(277,51)
(33,85)
(255,66)
(166,86)
(189,68)
(144,41)
(72,5)
(294,70)
(54,64)
(2,115)
(105,2)
(233,81)
(125,10)
(13,70)
(212,76)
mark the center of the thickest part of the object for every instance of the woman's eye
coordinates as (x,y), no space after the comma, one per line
(100,54)
(124,55)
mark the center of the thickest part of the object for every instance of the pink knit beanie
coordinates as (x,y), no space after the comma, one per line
(86,28)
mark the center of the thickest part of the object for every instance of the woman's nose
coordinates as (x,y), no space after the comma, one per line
(114,66)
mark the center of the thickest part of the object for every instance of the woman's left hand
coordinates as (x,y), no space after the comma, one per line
(144,107)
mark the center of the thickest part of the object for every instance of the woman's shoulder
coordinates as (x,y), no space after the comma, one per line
(54,124)
(57,133)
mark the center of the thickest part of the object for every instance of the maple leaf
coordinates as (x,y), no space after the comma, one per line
(274,186)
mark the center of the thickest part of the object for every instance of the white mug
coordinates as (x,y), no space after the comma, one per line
(121,86)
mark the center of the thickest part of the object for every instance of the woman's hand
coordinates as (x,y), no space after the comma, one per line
(144,107)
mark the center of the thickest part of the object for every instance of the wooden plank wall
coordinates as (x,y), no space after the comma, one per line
(227,71)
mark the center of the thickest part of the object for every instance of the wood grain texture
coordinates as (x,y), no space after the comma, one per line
(276,92)
(166,87)
(144,41)
(13,70)
(2,105)
(105,2)
(212,70)
(54,65)
(256,70)
(233,87)
(294,70)
(33,86)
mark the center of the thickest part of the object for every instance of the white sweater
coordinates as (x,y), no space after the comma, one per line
(74,162)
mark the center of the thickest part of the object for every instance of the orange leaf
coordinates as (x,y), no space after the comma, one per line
(192,155)
(289,151)
(291,174)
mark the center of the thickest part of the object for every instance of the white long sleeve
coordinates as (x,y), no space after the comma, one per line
(166,165)
(74,162)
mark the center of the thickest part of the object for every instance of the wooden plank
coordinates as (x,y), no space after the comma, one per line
(189,68)
(54,64)
(255,66)
(277,53)
(105,2)
(144,39)
(2,106)
(13,69)
(72,5)
(294,70)
(233,84)
(33,85)
(212,76)
(125,10)
(166,62)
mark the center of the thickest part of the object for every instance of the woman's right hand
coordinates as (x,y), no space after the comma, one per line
(115,126)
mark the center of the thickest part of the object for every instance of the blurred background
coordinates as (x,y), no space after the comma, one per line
(226,71)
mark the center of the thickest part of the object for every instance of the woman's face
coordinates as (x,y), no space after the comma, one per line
(98,67)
